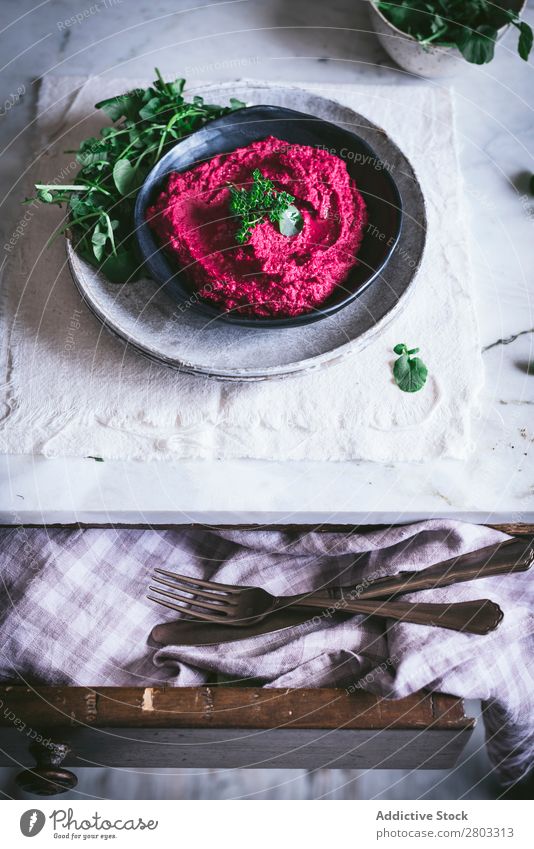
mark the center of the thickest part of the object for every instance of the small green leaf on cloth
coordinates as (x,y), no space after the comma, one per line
(409,372)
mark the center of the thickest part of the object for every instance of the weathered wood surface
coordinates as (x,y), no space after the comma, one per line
(234,727)
(209,748)
(224,707)
(512,528)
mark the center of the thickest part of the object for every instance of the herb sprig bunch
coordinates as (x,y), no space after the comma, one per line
(100,202)
(470,25)
(263,201)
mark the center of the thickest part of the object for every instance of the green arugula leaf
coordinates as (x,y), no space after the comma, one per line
(152,108)
(176,88)
(526,38)
(410,372)
(98,240)
(478,46)
(91,151)
(121,106)
(122,268)
(125,176)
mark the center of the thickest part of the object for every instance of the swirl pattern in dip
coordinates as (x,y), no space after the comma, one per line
(272,274)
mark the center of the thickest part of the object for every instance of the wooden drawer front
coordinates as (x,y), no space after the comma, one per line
(232,727)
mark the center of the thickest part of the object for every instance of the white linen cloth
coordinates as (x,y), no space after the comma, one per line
(70,389)
(73,610)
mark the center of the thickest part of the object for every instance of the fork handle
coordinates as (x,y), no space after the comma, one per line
(471,617)
(503,559)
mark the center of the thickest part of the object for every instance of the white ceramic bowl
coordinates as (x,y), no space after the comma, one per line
(430,61)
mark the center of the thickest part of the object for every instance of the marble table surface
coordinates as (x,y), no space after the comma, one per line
(306,40)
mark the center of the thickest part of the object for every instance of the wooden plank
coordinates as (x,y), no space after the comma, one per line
(225,707)
(512,528)
(212,748)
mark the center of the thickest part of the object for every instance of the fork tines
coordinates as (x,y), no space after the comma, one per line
(192,596)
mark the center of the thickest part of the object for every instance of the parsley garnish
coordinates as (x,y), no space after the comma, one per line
(410,372)
(470,25)
(100,201)
(263,201)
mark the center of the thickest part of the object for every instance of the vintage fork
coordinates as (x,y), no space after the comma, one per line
(240,606)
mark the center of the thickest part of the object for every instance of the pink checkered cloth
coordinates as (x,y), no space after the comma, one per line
(74,611)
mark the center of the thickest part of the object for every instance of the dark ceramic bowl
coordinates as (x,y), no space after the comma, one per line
(241,128)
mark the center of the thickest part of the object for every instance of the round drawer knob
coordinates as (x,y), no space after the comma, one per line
(46,781)
(48,777)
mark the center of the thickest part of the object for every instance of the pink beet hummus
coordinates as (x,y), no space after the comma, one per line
(272,274)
